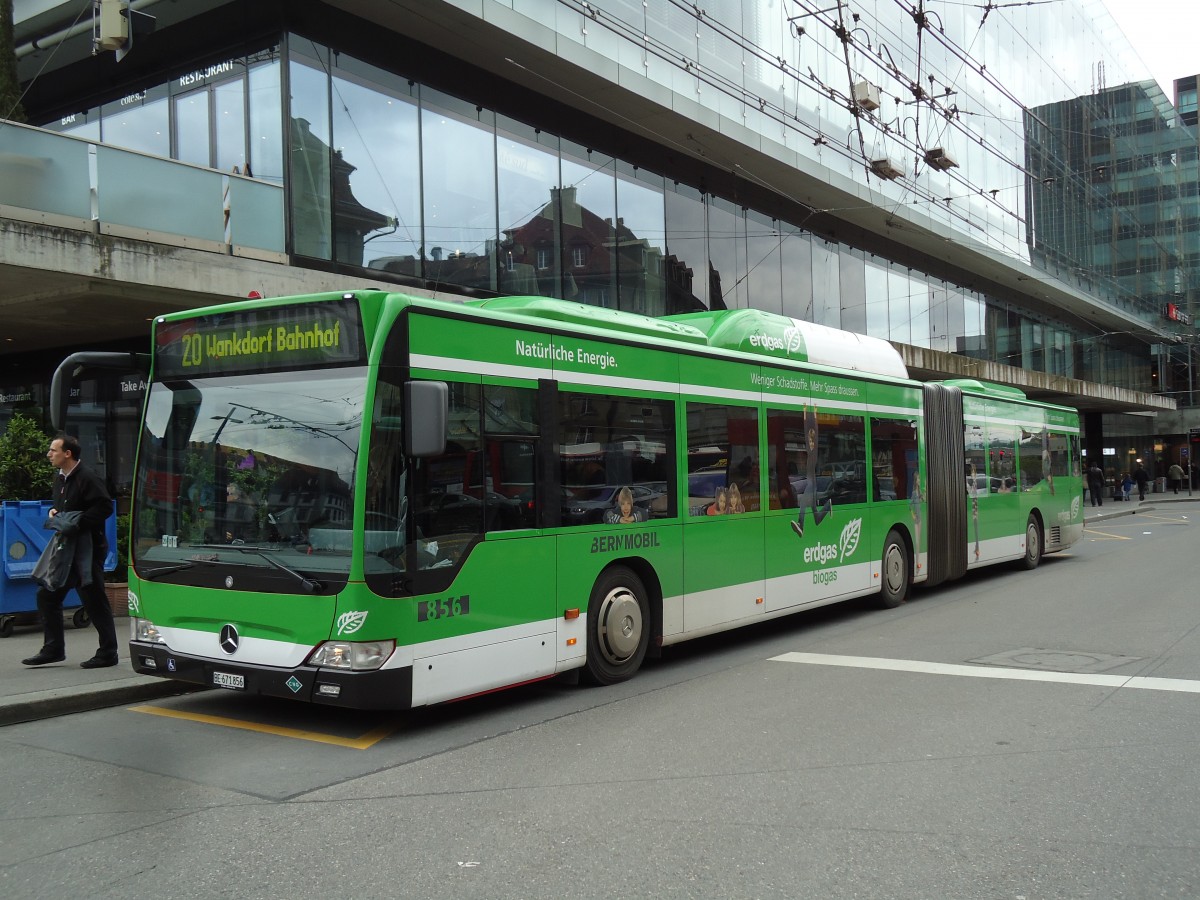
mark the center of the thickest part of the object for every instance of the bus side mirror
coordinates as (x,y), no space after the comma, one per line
(425,413)
(84,364)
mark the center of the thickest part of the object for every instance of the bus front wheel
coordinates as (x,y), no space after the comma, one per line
(617,628)
(1033,543)
(894,575)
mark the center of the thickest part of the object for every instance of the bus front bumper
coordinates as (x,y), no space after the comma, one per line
(382,689)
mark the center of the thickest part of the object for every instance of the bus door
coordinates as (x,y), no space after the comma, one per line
(724,563)
(817,539)
(993,505)
(1003,523)
(481,581)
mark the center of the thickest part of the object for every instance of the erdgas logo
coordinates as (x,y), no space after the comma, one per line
(846,545)
(791,341)
(793,338)
(766,342)
(821,553)
(350,622)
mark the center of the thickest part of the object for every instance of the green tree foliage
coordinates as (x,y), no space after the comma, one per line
(25,473)
(10,84)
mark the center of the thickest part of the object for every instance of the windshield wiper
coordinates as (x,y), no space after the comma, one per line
(151,574)
(311,585)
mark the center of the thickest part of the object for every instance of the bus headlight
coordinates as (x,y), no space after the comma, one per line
(357,656)
(145,630)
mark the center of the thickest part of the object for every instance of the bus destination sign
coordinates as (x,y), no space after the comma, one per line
(261,340)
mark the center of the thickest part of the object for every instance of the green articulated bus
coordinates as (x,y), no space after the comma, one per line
(375,500)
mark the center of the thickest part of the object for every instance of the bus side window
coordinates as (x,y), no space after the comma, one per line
(723,461)
(504,474)
(447,511)
(607,444)
(386,501)
(975,460)
(893,458)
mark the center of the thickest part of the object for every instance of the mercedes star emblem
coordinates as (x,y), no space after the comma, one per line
(229,639)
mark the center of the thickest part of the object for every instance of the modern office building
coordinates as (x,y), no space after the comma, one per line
(1132,225)
(1185,99)
(998,189)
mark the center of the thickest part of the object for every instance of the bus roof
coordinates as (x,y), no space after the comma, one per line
(781,337)
(744,330)
(986,388)
(593,316)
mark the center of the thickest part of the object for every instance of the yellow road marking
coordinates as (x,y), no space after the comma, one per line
(360,743)
(1100,535)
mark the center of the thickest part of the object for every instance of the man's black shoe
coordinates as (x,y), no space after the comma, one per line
(42,659)
(98,662)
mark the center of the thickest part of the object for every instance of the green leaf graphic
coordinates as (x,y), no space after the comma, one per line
(850,535)
(350,622)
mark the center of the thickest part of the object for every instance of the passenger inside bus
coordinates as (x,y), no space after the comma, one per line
(720,504)
(625,513)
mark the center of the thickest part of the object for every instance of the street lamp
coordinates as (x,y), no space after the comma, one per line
(225,420)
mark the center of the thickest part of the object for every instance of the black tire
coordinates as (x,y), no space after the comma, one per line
(618,627)
(6,626)
(80,618)
(1033,543)
(895,575)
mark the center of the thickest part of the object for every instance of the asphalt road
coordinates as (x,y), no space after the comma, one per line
(846,752)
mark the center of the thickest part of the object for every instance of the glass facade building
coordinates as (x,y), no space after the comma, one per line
(953,177)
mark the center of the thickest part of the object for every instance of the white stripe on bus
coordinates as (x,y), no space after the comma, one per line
(474,367)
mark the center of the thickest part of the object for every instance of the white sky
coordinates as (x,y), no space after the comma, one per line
(1166,35)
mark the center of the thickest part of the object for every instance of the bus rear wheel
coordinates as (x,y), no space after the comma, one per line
(617,628)
(895,577)
(1033,543)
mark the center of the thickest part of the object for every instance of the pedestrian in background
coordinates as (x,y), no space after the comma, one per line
(1175,473)
(1095,479)
(1142,477)
(1126,486)
(77,489)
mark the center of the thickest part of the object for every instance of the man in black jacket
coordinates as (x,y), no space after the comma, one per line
(78,489)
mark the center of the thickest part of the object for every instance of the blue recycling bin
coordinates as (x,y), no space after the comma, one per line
(24,540)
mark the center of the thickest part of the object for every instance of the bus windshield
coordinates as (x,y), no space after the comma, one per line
(254,471)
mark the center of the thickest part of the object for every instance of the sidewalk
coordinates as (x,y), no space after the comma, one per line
(40,692)
(1113,508)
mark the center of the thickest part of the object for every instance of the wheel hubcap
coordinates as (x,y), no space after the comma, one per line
(893,570)
(620,627)
(1032,542)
